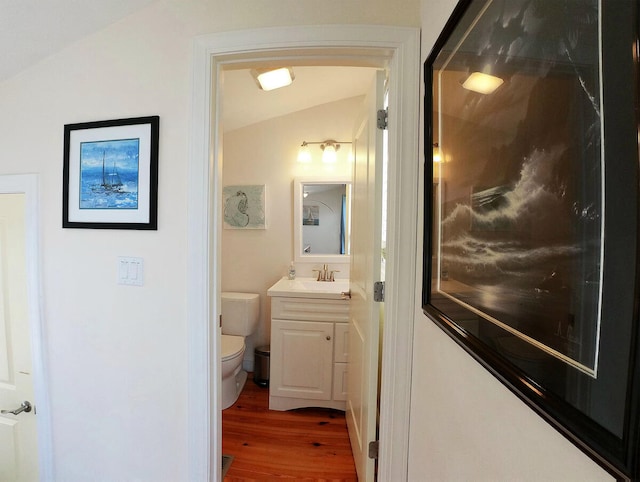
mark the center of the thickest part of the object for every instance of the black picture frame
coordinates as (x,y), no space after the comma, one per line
(566,344)
(110,174)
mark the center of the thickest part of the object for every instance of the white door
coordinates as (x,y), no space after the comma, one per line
(364,317)
(18,434)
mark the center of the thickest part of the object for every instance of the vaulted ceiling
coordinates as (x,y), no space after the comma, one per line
(244,103)
(31,30)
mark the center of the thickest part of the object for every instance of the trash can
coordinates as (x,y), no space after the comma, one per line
(261,368)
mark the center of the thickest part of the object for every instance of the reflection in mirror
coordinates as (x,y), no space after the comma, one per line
(322,220)
(326,202)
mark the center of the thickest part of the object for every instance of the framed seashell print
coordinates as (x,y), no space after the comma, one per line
(244,206)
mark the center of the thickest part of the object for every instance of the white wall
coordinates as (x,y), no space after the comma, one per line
(116,355)
(266,153)
(466,425)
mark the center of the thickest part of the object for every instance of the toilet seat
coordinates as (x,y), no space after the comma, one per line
(231,346)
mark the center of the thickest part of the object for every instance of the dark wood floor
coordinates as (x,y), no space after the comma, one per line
(309,444)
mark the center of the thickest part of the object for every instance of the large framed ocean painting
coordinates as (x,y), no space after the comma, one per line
(111,174)
(531,210)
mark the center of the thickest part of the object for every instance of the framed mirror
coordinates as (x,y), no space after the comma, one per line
(322,220)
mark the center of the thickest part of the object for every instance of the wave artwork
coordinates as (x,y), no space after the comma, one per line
(518,194)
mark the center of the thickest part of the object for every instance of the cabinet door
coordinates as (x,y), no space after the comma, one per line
(301,359)
(341,343)
(340,381)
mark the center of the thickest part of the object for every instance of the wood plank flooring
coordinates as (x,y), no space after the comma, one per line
(310,444)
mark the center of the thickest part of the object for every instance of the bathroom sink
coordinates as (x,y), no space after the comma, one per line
(309,288)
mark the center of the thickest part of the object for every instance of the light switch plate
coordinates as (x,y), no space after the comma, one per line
(130,271)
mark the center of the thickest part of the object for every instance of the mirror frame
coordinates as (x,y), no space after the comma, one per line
(298,184)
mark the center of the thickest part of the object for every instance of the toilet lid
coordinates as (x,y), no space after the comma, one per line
(232,346)
(234,295)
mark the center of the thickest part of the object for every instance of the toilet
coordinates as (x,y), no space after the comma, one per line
(240,315)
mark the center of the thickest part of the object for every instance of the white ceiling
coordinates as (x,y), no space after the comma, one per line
(245,104)
(31,30)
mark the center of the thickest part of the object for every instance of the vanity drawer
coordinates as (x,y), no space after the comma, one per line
(310,309)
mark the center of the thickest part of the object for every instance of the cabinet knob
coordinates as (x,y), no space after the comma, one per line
(328,337)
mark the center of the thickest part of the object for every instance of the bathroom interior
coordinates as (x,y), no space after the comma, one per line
(262,135)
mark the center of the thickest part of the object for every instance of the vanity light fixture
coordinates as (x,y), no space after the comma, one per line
(329,151)
(482,83)
(437,156)
(270,79)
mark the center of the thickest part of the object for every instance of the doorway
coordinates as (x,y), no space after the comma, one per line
(262,133)
(400,46)
(26,430)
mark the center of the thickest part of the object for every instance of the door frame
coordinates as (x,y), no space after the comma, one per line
(401,45)
(27,184)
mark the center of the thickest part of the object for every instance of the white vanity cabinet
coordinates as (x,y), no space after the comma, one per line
(308,353)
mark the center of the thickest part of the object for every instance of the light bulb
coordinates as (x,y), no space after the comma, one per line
(304,155)
(437,157)
(329,154)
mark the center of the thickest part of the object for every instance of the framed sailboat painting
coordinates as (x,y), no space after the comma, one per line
(110,176)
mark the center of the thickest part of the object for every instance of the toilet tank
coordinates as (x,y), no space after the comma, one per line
(240,313)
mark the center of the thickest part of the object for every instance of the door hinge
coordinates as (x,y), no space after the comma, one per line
(383,117)
(373,449)
(378,291)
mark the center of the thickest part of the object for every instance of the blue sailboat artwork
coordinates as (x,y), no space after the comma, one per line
(109,174)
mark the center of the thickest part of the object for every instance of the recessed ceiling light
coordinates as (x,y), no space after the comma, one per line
(482,83)
(270,79)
